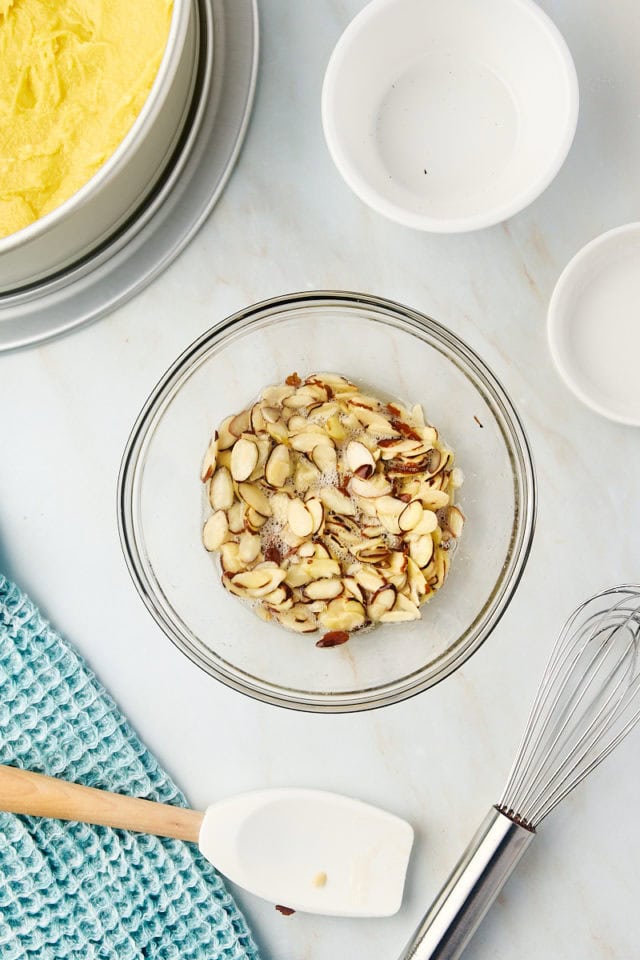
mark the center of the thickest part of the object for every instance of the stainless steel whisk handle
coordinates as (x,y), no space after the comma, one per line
(476,881)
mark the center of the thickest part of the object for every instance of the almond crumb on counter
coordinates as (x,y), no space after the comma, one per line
(320,879)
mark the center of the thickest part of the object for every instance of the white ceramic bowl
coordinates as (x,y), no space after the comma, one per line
(593,327)
(450,116)
(104,203)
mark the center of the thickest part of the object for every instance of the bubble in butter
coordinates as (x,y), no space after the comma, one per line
(74,75)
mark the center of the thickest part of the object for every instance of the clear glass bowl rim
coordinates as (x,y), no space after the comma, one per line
(456,351)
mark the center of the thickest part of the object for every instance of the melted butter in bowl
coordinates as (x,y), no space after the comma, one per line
(74,75)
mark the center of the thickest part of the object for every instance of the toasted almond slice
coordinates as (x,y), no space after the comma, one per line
(260,581)
(360,460)
(325,458)
(221,493)
(381,602)
(337,501)
(376,486)
(411,516)
(244,457)
(230,558)
(327,589)
(320,567)
(215,530)
(278,467)
(235,516)
(249,547)
(345,613)
(421,550)
(209,462)
(225,438)
(270,414)
(240,423)
(299,518)
(254,520)
(316,509)
(254,497)
(455,521)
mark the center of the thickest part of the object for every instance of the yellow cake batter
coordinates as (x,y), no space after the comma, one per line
(74,75)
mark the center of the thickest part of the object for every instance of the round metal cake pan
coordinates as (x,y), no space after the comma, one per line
(191,184)
(109,198)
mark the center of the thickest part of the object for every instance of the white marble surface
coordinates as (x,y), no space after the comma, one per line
(287,222)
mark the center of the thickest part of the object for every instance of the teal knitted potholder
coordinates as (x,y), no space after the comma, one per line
(73,892)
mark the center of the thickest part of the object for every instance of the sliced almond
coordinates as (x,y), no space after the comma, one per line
(209,462)
(353,588)
(299,518)
(254,520)
(410,516)
(417,414)
(345,613)
(327,589)
(244,457)
(455,521)
(421,550)
(307,550)
(221,495)
(249,547)
(270,414)
(235,516)
(240,423)
(254,497)
(316,509)
(360,460)
(371,551)
(428,523)
(225,438)
(298,575)
(307,441)
(215,530)
(416,581)
(298,618)
(321,552)
(278,466)
(432,498)
(376,486)
(260,581)
(230,558)
(336,429)
(369,579)
(403,610)
(257,420)
(382,601)
(337,501)
(325,458)
(280,598)
(306,475)
(278,431)
(274,396)
(320,567)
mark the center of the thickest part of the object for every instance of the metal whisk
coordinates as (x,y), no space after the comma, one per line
(587,703)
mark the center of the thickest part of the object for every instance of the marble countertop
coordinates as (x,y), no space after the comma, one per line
(287,222)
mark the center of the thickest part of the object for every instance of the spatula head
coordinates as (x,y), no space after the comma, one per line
(310,850)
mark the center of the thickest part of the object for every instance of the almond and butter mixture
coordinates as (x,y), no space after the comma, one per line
(332,510)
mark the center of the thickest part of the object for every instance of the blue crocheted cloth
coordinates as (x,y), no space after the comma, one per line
(73,892)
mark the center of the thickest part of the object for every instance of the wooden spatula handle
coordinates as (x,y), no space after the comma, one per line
(40,796)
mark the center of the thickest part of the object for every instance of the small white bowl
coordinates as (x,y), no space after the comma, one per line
(104,203)
(450,116)
(594,329)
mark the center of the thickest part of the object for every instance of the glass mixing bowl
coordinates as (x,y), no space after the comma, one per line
(391,350)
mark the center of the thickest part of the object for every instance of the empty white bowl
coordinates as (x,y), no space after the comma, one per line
(450,116)
(594,333)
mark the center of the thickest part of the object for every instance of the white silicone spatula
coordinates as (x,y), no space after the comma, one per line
(305,849)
